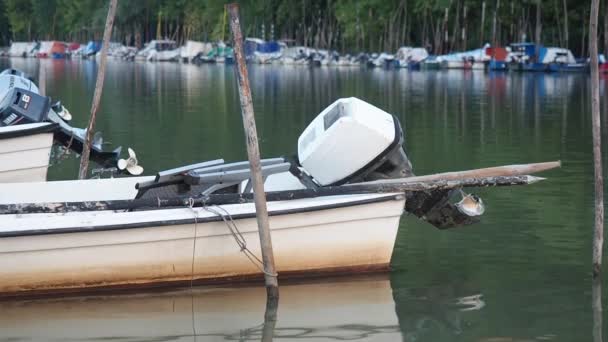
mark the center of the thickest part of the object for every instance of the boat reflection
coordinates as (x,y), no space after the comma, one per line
(344,309)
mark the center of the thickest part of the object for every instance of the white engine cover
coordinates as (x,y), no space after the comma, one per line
(343,139)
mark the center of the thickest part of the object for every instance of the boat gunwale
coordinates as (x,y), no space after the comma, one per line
(214,218)
(49,128)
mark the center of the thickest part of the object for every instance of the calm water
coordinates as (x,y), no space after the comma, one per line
(520,275)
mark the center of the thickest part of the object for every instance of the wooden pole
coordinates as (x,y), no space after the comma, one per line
(101,72)
(598,235)
(596,306)
(483,19)
(253,153)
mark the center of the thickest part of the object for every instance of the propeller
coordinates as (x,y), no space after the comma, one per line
(130,164)
(63,112)
(97,140)
(470,205)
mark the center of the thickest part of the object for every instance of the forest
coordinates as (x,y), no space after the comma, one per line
(344,25)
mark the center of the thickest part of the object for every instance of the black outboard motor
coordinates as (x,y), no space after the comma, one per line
(21,103)
(20,106)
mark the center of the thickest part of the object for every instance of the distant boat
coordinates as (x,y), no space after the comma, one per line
(472,59)
(411,57)
(92,48)
(192,49)
(219,53)
(51,49)
(498,58)
(562,60)
(537,58)
(431,63)
(21,49)
(159,50)
(382,60)
(261,51)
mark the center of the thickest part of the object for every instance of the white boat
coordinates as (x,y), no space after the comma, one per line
(329,233)
(25,151)
(21,49)
(383,60)
(159,50)
(193,48)
(473,59)
(332,211)
(408,56)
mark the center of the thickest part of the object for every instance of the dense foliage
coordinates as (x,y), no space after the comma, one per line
(345,25)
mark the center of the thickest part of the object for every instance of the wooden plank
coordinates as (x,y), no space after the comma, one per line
(498,171)
(220,199)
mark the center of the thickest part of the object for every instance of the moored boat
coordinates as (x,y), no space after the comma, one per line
(30,125)
(331,211)
(411,57)
(25,151)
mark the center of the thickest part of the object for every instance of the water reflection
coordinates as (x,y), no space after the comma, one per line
(345,309)
(528,256)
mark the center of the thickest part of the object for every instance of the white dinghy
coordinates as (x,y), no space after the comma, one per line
(29,127)
(334,209)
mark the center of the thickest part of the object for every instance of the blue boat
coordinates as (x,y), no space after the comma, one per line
(92,48)
(261,51)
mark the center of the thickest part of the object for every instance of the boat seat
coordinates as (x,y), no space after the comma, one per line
(207,177)
(229,175)
(172,176)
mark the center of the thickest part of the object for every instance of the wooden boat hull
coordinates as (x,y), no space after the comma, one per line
(80,251)
(24,152)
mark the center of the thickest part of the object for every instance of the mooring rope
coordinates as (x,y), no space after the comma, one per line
(239,238)
(191,206)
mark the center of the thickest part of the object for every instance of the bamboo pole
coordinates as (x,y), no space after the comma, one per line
(101,73)
(598,235)
(253,153)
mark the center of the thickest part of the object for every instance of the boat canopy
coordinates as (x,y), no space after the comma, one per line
(92,47)
(498,53)
(253,45)
(556,55)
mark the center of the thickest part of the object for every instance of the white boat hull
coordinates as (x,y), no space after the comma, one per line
(75,251)
(24,157)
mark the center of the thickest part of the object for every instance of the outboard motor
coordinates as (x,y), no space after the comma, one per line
(352,141)
(21,103)
(20,106)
